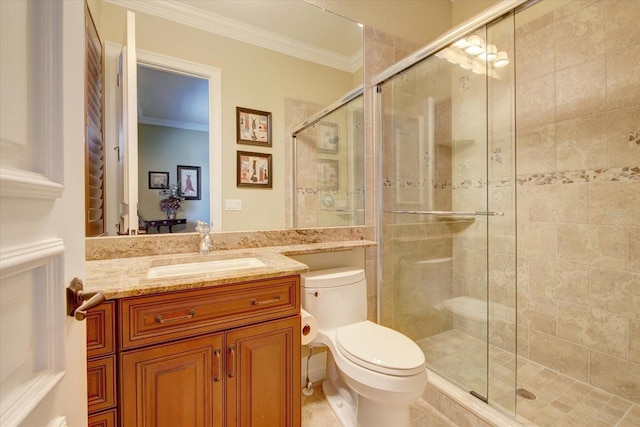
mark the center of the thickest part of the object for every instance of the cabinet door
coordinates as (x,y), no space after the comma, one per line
(177,384)
(263,374)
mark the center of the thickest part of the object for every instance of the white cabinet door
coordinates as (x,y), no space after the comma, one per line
(42,350)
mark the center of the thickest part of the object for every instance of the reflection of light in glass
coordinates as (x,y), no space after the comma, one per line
(461,44)
(502,59)
(476,46)
(490,53)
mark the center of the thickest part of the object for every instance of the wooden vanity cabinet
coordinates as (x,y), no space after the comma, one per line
(176,384)
(101,365)
(226,355)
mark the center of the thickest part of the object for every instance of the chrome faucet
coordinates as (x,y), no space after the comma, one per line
(205,240)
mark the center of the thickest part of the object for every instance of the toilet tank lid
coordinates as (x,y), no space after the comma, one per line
(332,277)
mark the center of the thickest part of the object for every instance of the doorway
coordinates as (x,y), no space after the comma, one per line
(176,67)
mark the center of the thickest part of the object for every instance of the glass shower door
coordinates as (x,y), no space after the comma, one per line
(446,141)
(329,169)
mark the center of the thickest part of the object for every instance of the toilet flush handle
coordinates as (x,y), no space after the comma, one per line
(315,294)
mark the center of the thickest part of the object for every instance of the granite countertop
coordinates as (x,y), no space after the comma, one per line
(127,277)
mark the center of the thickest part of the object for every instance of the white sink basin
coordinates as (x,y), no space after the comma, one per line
(203,267)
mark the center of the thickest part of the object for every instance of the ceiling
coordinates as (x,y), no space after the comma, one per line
(172,100)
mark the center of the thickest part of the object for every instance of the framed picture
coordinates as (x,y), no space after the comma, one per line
(158,180)
(253,127)
(189,180)
(328,137)
(328,174)
(254,170)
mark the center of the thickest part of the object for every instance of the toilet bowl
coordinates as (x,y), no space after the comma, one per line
(373,373)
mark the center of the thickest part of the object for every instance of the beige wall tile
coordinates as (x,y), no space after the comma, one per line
(622,17)
(501,157)
(623,78)
(502,270)
(474,236)
(559,280)
(522,341)
(633,253)
(578,32)
(524,274)
(616,291)
(620,124)
(615,203)
(631,418)
(562,203)
(563,356)
(634,340)
(536,149)
(615,375)
(534,52)
(537,313)
(538,240)
(597,245)
(469,272)
(581,90)
(581,143)
(592,328)
(535,101)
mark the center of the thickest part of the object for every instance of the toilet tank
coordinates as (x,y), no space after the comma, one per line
(335,297)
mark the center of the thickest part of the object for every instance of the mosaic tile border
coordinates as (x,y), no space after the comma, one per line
(624,174)
(308,190)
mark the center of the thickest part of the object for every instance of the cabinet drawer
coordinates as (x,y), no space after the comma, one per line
(101,381)
(164,317)
(103,419)
(100,330)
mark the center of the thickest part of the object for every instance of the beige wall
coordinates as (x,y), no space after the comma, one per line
(416,22)
(252,77)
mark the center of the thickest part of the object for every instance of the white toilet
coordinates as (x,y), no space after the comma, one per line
(373,373)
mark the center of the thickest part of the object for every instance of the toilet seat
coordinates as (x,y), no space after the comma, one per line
(380,349)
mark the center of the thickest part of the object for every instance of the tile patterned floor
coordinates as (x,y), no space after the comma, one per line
(560,400)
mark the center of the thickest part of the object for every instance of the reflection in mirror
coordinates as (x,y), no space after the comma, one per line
(263,63)
(173,129)
(329,166)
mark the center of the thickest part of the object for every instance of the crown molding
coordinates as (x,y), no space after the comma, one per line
(173,124)
(210,22)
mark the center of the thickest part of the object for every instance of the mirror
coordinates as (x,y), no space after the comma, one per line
(270,55)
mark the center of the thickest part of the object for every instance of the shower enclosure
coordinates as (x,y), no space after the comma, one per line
(329,166)
(510,179)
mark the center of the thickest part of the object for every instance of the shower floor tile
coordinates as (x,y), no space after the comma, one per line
(560,400)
